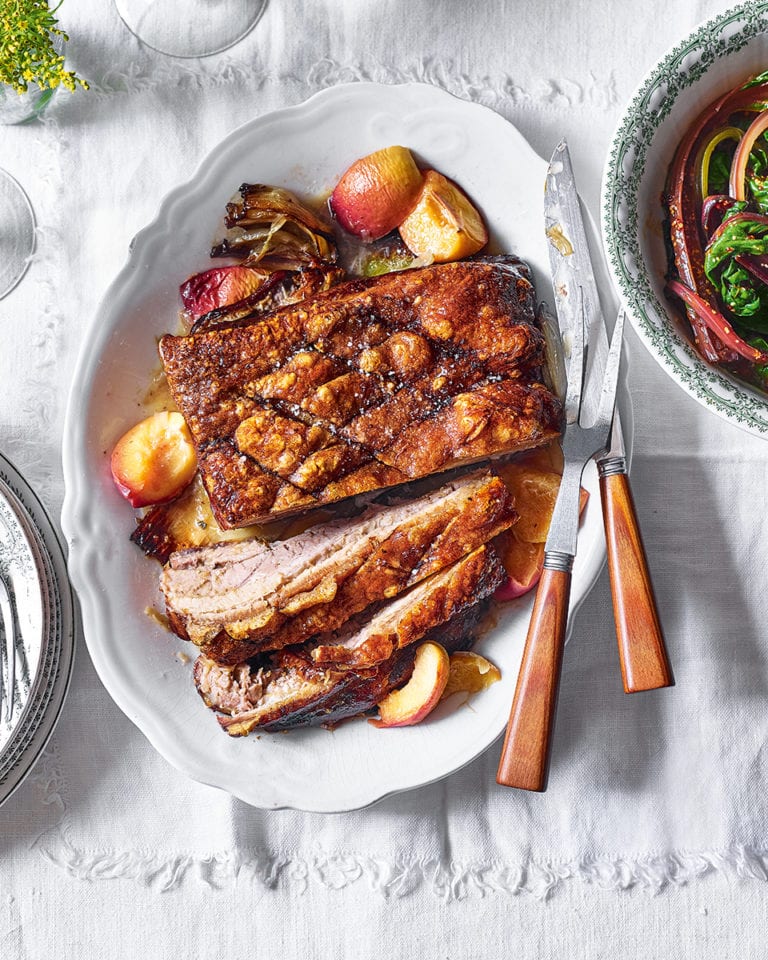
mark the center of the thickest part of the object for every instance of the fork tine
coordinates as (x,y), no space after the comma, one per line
(611,376)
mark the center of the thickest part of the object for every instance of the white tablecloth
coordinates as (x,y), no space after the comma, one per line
(106,850)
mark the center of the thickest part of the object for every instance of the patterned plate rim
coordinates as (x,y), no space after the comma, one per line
(29,741)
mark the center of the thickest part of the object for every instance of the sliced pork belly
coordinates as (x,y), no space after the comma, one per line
(305,378)
(284,690)
(366,642)
(412,553)
(290,691)
(237,599)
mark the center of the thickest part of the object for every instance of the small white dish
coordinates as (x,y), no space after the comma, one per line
(306,148)
(715,58)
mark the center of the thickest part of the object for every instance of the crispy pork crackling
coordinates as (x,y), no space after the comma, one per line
(371,384)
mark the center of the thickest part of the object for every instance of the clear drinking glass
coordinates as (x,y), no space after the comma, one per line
(194,28)
(17,232)
(17,220)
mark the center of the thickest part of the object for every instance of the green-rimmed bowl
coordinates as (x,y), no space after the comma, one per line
(716,57)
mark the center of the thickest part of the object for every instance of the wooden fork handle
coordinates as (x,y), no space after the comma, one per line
(525,754)
(642,652)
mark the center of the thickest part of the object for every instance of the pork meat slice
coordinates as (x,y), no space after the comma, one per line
(246,591)
(290,691)
(284,690)
(363,643)
(414,551)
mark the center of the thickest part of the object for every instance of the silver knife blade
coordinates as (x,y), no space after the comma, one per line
(570,265)
(581,442)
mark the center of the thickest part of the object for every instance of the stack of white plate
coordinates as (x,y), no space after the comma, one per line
(42,622)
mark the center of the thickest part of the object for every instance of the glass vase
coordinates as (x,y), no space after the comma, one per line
(22,107)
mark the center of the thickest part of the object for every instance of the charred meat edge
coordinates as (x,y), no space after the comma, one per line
(365,642)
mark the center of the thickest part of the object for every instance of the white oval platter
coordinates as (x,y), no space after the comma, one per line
(305,147)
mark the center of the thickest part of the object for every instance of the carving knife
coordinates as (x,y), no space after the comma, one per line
(642,650)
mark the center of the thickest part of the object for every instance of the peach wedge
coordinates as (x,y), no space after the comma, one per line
(155,460)
(522,548)
(535,492)
(523,563)
(411,703)
(469,673)
(377,193)
(443,225)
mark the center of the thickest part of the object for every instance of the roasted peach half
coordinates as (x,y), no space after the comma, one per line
(411,703)
(377,192)
(444,224)
(155,460)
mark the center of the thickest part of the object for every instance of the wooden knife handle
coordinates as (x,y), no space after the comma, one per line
(643,655)
(525,755)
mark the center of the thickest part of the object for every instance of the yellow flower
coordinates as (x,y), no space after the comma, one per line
(27,54)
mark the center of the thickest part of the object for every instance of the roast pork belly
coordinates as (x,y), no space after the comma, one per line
(238,599)
(370,384)
(290,691)
(286,689)
(371,639)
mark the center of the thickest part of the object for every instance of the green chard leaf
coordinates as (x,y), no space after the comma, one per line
(760,369)
(741,293)
(756,81)
(757,175)
(720,170)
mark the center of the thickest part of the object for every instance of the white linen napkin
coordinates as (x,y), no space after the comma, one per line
(648,789)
